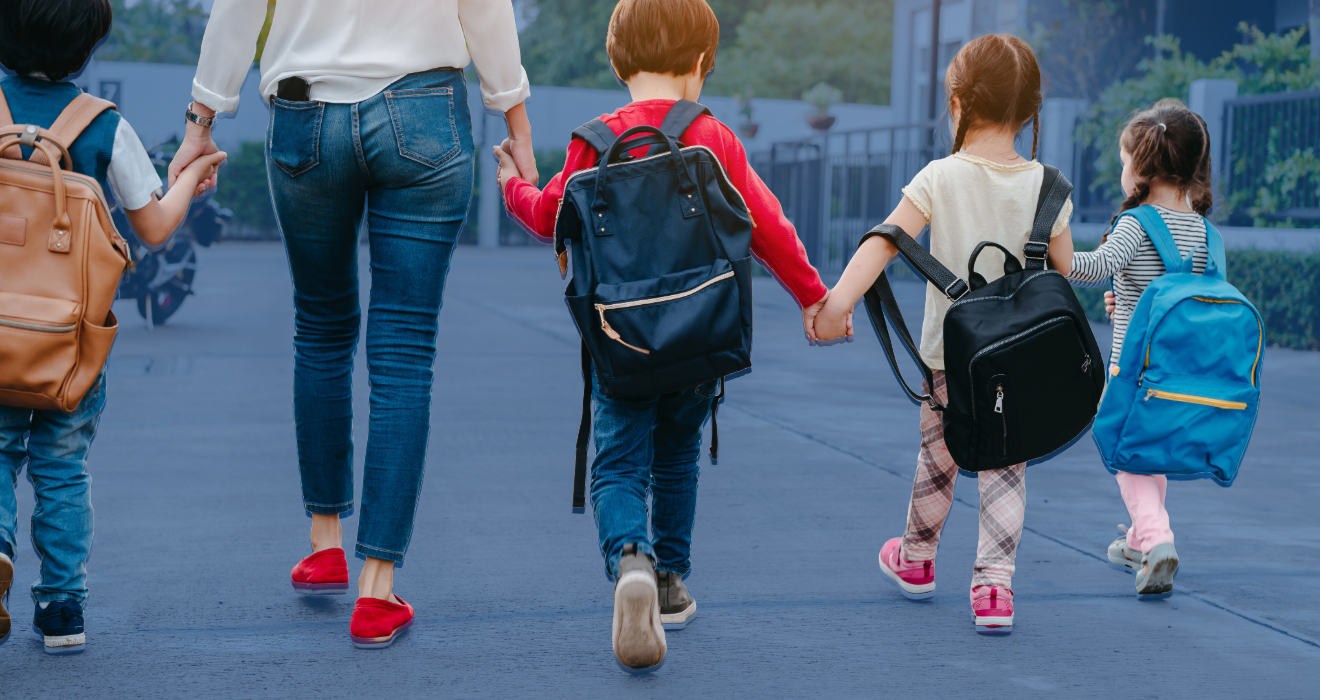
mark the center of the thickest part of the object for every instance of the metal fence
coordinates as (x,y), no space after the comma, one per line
(1263,130)
(835,187)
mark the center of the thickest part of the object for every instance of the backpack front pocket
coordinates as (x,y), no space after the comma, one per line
(38,342)
(654,323)
(1188,425)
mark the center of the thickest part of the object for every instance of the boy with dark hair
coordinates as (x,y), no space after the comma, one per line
(44,42)
(662,50)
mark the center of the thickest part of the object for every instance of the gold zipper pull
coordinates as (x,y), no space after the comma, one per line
(613,334)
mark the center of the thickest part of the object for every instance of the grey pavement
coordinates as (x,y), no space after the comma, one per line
(199,519)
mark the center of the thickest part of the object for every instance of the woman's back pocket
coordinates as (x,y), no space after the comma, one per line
(423,120)
(295,135)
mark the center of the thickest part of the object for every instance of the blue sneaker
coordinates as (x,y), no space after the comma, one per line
(60,627)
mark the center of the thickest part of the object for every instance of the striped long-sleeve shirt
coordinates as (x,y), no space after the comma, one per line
(1129,256)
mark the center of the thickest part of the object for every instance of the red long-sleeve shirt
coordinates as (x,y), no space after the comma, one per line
(774,240)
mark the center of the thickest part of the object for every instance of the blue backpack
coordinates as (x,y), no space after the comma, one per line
(1184,400)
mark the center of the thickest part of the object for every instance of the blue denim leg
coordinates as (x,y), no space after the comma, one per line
(646,446)
(318,188)
(406,155)
(55,453)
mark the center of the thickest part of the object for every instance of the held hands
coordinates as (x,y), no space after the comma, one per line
(197,142)
(508,166)
(1109,304)
(831,322)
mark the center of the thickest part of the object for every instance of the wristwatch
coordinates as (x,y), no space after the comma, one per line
(196,118)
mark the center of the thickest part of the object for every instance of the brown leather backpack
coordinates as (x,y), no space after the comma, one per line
(60,263)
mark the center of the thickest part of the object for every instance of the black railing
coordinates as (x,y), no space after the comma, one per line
(836,186)
(1263,130)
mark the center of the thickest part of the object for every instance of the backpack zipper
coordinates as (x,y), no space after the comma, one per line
(35,327)
(1188,398)
(1002,342)
(1003,420)
(614,335)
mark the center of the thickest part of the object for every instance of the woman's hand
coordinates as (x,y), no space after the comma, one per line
(196,143)
(519,143)
(1109,304)
(508,167)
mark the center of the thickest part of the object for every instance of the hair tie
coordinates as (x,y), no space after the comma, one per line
(1163,127)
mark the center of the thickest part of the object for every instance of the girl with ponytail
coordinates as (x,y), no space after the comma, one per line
(1166,164)
(983,191)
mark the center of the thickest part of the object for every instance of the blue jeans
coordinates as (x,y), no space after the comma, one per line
(404,158)
(643,445)
(53,445)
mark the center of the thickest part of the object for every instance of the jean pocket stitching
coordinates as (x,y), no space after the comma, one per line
(316,137)
(390,98)
(714,391)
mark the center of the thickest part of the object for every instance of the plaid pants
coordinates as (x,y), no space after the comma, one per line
(1003,503)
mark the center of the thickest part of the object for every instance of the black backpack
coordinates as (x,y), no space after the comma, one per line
(1023,370)
(662,277)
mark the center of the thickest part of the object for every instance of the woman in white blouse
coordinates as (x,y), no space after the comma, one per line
(369,117)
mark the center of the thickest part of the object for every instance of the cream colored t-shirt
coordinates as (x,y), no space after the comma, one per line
(967,200)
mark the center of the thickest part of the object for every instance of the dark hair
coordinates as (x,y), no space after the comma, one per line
(51,37)
(1169,143)
(996,81)
(662,36)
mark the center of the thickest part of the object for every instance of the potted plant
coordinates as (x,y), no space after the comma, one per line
(822,97)
(747,128)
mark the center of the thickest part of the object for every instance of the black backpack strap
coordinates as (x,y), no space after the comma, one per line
(715,425)
(584,437)
(597,134)
(1054,192)
(881,304)
(677,120)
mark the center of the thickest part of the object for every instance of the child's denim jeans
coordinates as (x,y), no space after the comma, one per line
(648,444)
(53,445)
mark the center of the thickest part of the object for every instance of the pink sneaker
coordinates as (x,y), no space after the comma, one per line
(916,579)
(992,609)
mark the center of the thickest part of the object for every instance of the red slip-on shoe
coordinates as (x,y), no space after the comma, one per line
(992,609)
(322,573)
(377,623)
(915,579)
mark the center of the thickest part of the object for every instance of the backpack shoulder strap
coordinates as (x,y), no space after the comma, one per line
(677,120)
(71,122)
(597,134)
(6,119)
(680,117)
(1159,234)
(1217,265)
(1054,192)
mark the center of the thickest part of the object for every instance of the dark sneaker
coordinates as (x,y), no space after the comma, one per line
(1158,567)
(639,636)
(60,627)
(677,608)
(6,578)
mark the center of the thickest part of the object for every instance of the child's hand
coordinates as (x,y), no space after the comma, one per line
(832,322)
(1109,304)
(508,168)
(809,316)
(199,174)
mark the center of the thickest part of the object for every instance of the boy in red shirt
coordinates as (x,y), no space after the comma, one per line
(662,50)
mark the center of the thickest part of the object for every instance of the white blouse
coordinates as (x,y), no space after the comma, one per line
(350,50)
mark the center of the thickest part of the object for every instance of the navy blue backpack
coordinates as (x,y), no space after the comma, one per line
(662,268)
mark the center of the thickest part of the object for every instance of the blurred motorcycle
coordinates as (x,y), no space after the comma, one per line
(160,280)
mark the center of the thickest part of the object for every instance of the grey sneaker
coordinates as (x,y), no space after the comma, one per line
(676,607)
(1121,556)
(1159,566)
(639,637)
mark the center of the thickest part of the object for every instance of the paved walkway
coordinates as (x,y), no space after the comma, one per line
(198,523)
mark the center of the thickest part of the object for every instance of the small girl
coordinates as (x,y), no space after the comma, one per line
(1166,164)
(984,191)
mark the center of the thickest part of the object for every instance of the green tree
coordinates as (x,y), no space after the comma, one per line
(155,31)
(1262,63)
(791,45)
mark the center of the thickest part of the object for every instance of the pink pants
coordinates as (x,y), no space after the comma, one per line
(1144,496)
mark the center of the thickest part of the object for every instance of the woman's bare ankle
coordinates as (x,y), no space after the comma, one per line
(376,579)
(327,532)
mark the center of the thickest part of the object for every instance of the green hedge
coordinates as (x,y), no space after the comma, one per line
(1284,287)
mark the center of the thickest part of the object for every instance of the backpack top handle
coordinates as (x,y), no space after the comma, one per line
(690,204)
